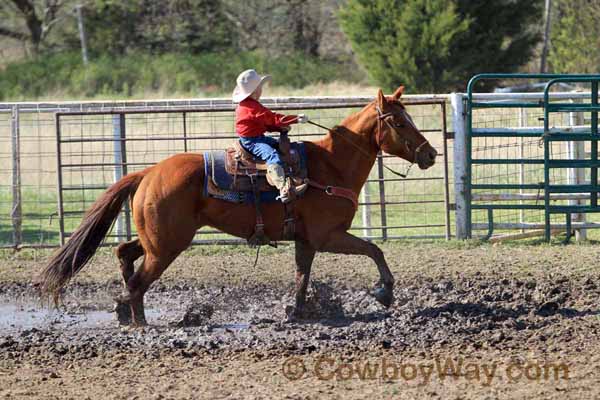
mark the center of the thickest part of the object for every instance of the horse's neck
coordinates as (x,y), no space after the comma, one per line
(349,152)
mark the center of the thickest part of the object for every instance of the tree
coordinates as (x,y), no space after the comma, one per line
(31,21)
(575,40)
(156,26)
(437,45)
(283,26)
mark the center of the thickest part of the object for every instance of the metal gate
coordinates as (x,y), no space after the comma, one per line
(558,198)
(100,147)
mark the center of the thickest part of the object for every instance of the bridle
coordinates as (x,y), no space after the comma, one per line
(380,136)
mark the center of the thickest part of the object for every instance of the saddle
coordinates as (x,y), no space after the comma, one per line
(236,175)
(248,170)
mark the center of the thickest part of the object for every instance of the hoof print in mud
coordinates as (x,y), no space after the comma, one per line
(548,309)
(197,314)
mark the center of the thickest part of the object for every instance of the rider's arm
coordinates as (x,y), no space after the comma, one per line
(276,122)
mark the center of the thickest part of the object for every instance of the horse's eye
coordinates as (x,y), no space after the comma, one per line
(400,125)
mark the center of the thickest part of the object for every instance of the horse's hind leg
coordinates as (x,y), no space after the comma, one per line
(127,253)
(169,244)
(139,283)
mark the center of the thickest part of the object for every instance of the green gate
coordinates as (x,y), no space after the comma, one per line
(547,136)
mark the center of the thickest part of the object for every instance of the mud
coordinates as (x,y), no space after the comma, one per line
(478,312)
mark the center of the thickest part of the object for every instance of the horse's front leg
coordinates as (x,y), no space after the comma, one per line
(305,255)
(345,243)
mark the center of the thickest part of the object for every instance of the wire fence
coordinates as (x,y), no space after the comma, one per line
(100,142)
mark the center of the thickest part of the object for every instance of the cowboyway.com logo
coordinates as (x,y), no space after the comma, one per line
(423,372)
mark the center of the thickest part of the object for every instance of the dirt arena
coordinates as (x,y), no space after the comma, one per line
(469,321)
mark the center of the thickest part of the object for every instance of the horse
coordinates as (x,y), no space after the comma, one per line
(168,208)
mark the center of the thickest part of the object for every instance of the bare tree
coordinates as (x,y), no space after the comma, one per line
(283,26)
(30,21)
(547,25)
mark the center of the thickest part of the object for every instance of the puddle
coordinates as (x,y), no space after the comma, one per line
(230,327)
(24,315)
(19,316)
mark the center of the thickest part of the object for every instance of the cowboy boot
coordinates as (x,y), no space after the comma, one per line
(276,177)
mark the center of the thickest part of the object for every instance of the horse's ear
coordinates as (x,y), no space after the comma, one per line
(398,93)
(381,100)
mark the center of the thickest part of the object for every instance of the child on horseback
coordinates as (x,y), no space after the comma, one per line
(252,120)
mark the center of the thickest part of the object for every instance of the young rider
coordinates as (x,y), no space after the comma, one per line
(252,120)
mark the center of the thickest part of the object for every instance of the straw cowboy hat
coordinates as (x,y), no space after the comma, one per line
(247,82)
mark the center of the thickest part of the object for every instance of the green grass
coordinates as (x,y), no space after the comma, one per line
(136,74)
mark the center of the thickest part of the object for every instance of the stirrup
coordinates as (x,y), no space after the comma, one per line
(300,188)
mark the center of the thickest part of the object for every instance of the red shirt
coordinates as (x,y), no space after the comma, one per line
(252,119)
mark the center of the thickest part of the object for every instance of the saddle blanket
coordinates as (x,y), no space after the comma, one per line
(221,181)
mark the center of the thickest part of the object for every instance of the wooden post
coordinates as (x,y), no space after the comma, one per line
(460,164)
(16,210)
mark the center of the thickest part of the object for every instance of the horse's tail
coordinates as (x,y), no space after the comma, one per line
(86,239)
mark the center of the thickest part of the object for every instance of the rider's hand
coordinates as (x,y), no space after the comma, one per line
(302,118)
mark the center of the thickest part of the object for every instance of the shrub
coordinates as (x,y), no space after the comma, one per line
(182,73)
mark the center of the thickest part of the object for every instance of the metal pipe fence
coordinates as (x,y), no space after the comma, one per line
(56,167)
(506,156)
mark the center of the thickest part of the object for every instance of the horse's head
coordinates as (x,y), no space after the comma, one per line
(397,134)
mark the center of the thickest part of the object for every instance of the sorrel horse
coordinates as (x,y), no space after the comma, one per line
(168,207)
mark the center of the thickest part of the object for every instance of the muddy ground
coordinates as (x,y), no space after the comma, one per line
(469,321)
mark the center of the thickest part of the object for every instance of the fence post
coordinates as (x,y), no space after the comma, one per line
(576,176)
(460,164)
(522,123)
(382,202)
(16,209)
(366,211)
(118,135)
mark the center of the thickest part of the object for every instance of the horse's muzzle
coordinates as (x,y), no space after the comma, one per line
(426,157)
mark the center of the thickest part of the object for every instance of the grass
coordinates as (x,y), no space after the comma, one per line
(140,75)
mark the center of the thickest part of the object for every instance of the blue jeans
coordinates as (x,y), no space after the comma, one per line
(263,147)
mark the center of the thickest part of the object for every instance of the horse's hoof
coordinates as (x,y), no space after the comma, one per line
(123,311)
(384,296)
(293,314)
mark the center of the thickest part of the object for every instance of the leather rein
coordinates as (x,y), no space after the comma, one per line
(379,140)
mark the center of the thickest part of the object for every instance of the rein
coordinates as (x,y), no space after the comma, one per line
(379,138)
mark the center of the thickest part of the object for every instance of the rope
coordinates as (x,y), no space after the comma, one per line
(257,254)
